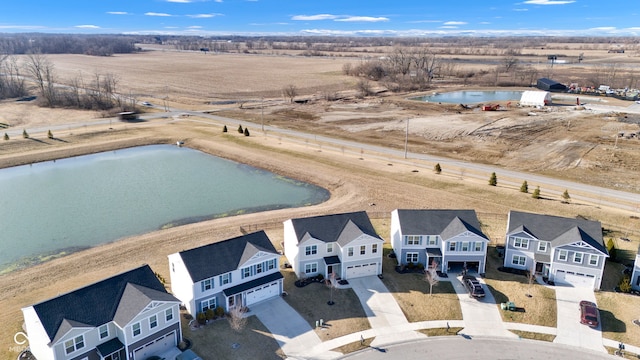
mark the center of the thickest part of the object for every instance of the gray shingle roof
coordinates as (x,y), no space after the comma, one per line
(96,304)
(558,230)
(446,223)
(224,256)
(340,228)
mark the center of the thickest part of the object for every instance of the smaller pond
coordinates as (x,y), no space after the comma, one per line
(470,97)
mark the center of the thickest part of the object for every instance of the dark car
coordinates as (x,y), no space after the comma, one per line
(589,314)
(473,286)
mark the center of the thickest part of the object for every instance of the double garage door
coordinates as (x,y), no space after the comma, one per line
(361,270)
(574,279)
(262,293)
(156,347)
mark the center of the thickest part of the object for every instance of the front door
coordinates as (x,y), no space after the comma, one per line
(329,270)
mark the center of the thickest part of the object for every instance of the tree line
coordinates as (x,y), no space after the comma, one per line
(99,45)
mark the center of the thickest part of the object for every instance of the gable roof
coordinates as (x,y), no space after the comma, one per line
(224,256)
(340,228)
(96,304)
(446,223)
(558,230)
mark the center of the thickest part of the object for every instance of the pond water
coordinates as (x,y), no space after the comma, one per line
(470,97)
(52,208)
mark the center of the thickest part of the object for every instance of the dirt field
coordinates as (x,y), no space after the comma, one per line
(564,141)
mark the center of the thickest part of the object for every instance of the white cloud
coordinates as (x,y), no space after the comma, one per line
(362,19)
(203,16)
(424,21)
(314,17)
(549,2)
(179,1)
(520,9)
(23,27)
(448,27)
(455,23)
(485,23)
(117,13)
(87,26)
(604,28)
(194,27)
(156,14)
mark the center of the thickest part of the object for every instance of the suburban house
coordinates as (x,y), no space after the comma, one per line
(235,272)
(567,251)
(635,275)
(342,244)
(127,316)
(443,238)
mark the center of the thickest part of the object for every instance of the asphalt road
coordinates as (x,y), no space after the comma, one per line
(477,348)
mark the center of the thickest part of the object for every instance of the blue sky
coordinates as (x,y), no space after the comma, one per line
(325,17)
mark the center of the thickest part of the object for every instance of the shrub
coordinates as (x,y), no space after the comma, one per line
(219,311)
(201,318)
(411,265)
(437,168)
(6,136)
(565,196)
(224,129)
(493,179)
(209,314)
(246,131)
(524,187)
(420,266)
(625,284)
(611,248)
(49,134)
(536,193)
(25,134)
(240,129)
(160,278)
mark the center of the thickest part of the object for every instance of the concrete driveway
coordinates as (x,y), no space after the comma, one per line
(294,335)
(481,316)
(570,331)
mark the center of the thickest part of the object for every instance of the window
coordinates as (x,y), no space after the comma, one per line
(432,240)
(519,260)
(330,248)
(562,255)
(452,246)
(246,272)
(542,246)
(225,279)
(173,267)
(363,250)
(412,257)
(104,331)
(153,321)
(207,284)
(465,246)
(350,251)
(168,315)
(271,264)
(413,240)
(593,259)
(521,243)
(136,329)
(208,304)
(311,268)
(478,246)
(259,268)
(577,257)
(74,344)
(311,250)
(374,248)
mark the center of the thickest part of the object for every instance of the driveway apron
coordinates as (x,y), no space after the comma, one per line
(570,331)
(291,331)
(481,316)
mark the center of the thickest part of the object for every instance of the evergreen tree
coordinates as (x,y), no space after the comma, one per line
(224,129)
(49,134)
(246,131)
(565,196)
(25,134)
(240,129)
(437,168)
(493,180)
(6,136)
(524,187)
(536,193)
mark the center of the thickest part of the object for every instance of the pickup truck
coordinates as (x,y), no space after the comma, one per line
(473,286)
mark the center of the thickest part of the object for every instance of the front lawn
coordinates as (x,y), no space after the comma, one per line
(538,301)
(346,316)
(411,292)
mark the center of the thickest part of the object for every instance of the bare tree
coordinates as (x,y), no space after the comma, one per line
(12,83)
(42,71)
(290,91)
(236,318)
(431,276)
(364,87)
(510,63)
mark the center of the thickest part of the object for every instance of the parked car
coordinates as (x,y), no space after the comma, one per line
(589,314)
(473,286)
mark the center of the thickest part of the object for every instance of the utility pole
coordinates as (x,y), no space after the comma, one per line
(406,139)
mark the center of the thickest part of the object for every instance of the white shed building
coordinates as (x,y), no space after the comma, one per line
(535,98)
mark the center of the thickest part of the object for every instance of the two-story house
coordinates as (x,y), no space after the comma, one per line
(448,238)
(568,251)
(127,316)
(235,272)
(635,274)
(345,244)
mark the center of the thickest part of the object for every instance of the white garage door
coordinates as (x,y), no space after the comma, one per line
(355,271)
(155,347)
(262,293)
(574,279)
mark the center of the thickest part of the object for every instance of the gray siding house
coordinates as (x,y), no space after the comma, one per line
(635,275)
(127,316)
(448,238)
(568,251)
